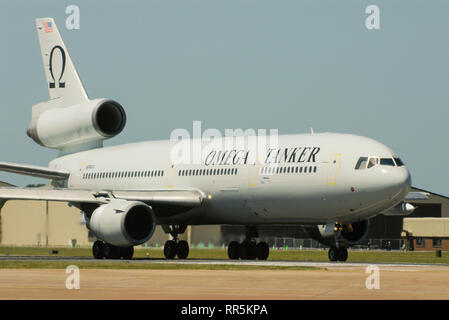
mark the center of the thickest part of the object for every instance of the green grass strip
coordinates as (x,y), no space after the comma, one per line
(20,264)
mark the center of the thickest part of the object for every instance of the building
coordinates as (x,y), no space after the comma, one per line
(424,234)
(56,224)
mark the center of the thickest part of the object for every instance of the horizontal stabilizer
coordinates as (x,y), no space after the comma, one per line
(34,171)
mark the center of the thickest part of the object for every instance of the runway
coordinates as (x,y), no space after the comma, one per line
(278,263)
(333,281)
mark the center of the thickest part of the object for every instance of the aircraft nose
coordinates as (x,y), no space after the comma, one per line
(399,181)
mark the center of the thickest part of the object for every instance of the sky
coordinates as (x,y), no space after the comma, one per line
(286,65)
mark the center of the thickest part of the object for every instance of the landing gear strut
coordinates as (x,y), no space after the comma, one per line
(103,250)
(249,248)
(175,247)
(338,254)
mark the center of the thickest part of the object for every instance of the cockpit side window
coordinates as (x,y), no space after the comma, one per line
(361,164)
(372,162)
(387,162)
(399,162)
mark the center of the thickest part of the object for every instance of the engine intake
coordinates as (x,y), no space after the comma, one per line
(90,121)
(349,234)
(123,223)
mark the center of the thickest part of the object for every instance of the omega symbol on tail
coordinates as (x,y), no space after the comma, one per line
(60,84)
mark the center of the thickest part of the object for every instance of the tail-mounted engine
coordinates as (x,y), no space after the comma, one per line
(85,123)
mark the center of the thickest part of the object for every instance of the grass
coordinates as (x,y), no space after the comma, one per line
(220,254)
(145,266)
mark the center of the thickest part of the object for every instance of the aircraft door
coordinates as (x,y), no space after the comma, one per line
(171,175)
(332,169)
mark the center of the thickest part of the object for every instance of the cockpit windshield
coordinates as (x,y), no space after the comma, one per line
(369,162)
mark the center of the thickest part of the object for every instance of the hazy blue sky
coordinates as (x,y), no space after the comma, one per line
(289,65)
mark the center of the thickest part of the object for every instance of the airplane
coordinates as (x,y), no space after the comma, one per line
(330,183)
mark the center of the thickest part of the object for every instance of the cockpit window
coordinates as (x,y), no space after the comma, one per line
(361,164)
(399,162)
(372,162)
(387,162)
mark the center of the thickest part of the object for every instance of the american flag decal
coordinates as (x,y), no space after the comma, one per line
(48,27)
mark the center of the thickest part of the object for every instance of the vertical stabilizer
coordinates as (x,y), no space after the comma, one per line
(63,81)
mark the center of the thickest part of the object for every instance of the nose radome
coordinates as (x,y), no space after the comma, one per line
(403,181)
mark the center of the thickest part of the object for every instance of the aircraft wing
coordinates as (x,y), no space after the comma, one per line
(34,171)
(186,198)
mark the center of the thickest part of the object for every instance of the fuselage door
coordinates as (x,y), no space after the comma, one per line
(332,169)
(171,174)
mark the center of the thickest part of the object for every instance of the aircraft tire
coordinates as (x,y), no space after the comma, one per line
(98,249)
(332,254)
(111,252)
(170,249)
(182,249)
(262,251)
(244,250)
(342,254)
(126,252)
(234,250)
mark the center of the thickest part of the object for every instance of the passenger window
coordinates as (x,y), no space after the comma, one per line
(387,162)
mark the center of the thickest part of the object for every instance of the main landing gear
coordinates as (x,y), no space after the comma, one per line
(103,250)
(249,248)
(338,254)
(175,247)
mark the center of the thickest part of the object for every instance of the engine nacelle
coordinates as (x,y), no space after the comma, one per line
(123,223)
(402,209)
(348,235)
(90,121)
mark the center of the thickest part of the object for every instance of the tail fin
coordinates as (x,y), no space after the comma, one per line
(63,81)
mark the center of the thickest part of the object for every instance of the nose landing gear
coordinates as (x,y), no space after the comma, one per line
(338,254)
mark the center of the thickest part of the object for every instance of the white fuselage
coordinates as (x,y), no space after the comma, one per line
(305,178)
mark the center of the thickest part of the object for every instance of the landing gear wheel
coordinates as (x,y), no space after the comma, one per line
(170,249)
(111,252)
(234,250)
(98,249)
(247,250)
(244,250)
(262,251)
(126,252)
(333,254)
(342,254)
(182,249)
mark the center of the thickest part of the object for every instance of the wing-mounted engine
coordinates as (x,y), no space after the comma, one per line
(343,234)
(89,122)
(123,223)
